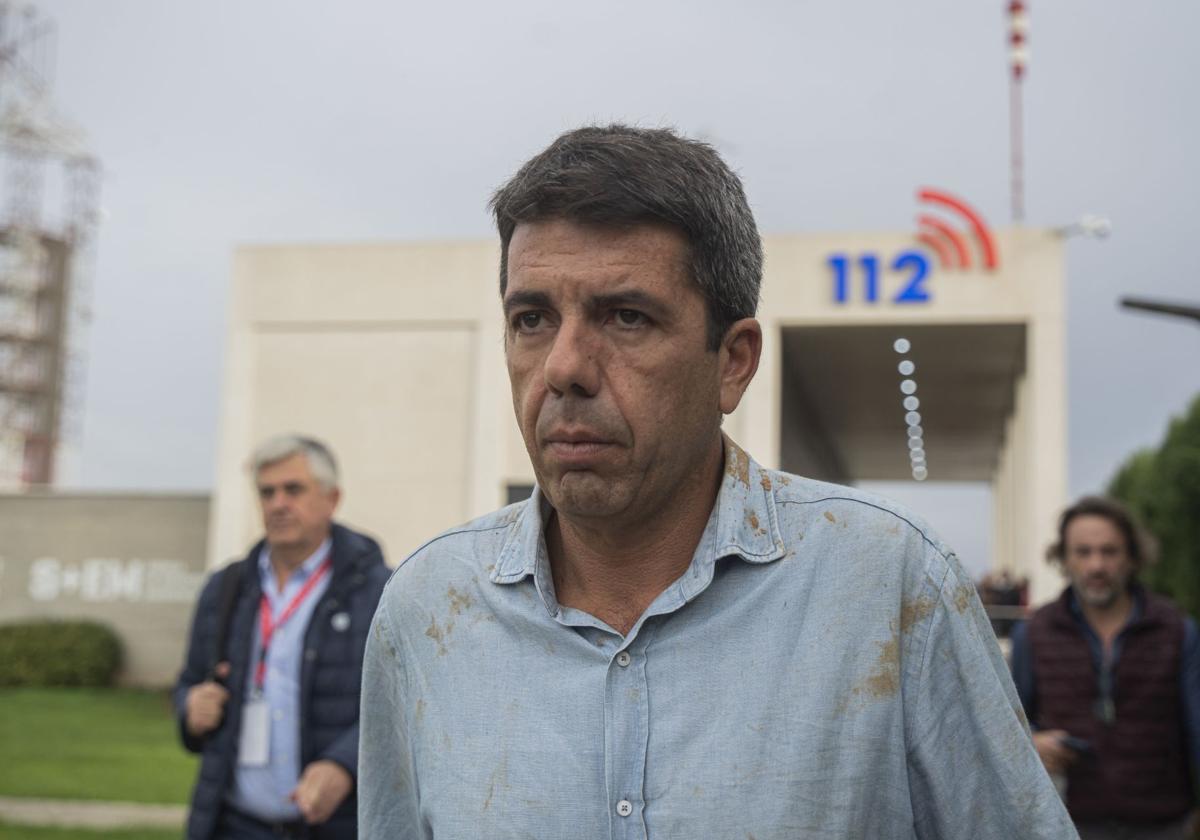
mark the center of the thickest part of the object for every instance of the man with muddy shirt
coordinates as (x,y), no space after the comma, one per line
(667,639)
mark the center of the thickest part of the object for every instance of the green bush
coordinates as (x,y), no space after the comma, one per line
(58,653)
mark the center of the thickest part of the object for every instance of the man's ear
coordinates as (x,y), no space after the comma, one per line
(739,353)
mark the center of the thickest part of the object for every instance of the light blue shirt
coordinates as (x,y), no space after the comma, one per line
(263,791)
(822,669)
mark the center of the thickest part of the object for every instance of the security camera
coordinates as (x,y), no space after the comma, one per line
(1095,226)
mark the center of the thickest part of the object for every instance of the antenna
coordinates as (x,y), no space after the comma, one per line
(46,225)
(1018,53)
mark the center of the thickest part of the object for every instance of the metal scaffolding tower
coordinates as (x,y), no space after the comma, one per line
(49,205)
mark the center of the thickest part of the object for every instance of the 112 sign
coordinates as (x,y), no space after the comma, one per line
(912,266)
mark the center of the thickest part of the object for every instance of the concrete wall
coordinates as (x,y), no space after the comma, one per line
(390,353)
(134,562)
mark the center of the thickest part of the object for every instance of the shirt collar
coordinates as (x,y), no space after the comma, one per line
(266,574)
(744,523)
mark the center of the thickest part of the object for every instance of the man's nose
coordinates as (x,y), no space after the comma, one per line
(572,364)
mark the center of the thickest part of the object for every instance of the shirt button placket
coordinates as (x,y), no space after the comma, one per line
(628,714)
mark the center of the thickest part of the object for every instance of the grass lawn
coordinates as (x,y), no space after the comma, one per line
(29,832)
(77,743)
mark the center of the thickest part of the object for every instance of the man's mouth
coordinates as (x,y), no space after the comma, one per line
(576,445)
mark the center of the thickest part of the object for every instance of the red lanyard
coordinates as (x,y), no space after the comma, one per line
(267,627)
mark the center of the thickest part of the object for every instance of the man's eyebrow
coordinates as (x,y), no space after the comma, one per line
(629,299)
(520,300)
(620,299)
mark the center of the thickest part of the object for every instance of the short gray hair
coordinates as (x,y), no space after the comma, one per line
(620,175)
(320,458)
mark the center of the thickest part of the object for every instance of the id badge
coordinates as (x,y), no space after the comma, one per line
(254,745)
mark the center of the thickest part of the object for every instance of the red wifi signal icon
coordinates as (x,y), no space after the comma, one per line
(949,244)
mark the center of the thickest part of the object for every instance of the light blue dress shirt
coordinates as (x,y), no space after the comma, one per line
(822,669)
(263,791)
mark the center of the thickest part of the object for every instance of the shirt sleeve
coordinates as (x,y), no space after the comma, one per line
(1189,684)
(387,783)
(1022,671)
(973,771)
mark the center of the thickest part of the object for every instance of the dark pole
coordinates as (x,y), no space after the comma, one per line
(1178,309)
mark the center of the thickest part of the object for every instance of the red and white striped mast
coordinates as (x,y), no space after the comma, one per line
(1018,54)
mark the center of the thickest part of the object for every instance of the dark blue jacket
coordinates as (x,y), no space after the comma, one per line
(330,676)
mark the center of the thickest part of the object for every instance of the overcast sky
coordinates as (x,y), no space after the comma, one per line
(221,123)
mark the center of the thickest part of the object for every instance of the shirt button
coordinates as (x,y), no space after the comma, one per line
(623,659)
(624,807)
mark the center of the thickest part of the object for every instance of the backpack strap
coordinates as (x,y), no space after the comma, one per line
(231,587)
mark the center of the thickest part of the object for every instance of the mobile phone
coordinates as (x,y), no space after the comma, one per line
(1079,745)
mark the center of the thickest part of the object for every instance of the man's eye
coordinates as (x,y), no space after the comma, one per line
(630,318)
(529,320)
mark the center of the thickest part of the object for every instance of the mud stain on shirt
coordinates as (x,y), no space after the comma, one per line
(914,612)
(752,519)
(459,601)
(737,463)
(438,634)
(962,597)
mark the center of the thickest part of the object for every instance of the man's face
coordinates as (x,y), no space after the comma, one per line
(618,399)
(296,509)
(1097,560)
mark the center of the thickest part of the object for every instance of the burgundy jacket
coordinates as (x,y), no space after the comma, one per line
(1131,713)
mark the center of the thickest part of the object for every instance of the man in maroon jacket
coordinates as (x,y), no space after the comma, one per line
(1110,678)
